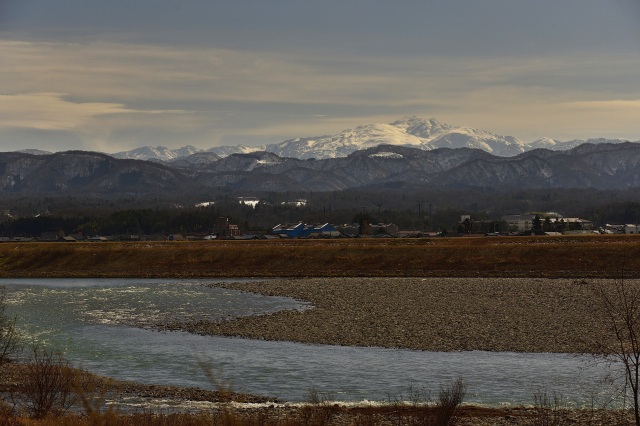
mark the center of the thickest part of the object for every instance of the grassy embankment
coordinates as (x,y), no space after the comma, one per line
(570,256)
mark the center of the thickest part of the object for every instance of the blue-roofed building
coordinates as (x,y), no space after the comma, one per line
(302,230)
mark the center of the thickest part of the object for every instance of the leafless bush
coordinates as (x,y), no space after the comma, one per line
(423,410)
(9,336)
(449,400)
(7,414)
(51,386)
(319,410)
(620,303)
(548,409)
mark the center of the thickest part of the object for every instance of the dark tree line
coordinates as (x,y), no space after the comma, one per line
(410,208)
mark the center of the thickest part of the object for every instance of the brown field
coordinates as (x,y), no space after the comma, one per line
(566,256)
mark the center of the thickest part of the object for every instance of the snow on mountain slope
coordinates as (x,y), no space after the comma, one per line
(423,133)
(35,152)
(161,153)
(416,132)
(502,146)
(428,128)
(225,151)
(345,142)
(553,145)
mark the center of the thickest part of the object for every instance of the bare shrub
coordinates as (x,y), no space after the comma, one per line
(51,386)
(449,400)
(318,410)
(422,409)
(9,336)
(548,409)
(7,414)
(620,303)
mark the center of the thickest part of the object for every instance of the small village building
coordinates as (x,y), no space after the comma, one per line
(574,223)
(524,222)
(349,230)
(302,230)
(51,236)
(22,239)
(519,222)
(224,229)
(367,229)
(385,229)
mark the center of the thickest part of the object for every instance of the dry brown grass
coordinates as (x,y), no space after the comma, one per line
(567,256)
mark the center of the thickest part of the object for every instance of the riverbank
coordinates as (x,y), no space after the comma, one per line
(114,402)
(578,256)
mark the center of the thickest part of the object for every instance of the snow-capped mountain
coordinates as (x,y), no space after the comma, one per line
(553,145)
(426,134)
(225,151)
(159,153)
(35,152)
(414,132)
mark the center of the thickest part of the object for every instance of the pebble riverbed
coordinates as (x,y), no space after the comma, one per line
(434,314)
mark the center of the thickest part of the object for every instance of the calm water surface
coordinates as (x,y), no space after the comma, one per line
(106,326)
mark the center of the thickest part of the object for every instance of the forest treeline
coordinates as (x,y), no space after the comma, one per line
(409,208)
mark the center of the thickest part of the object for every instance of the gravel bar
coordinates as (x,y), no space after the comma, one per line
(435,314)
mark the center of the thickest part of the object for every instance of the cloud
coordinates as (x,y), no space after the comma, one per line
(50,111)
(616,106)
(135,94)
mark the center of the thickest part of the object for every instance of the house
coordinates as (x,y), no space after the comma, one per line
(349,230)
(51,236)
(224,229)
(390,229)
(374,230)
(524,222)
(22,239)
(302,230)
(574,223)
(519,222)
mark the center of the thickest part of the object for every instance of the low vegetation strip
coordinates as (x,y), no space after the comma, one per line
(581,256)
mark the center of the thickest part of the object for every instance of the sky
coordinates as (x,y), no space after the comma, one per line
(116,75)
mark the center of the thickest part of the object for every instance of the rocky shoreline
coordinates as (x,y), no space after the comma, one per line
(435,314)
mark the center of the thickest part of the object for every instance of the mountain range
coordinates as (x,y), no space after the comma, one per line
(589,165)
(426,134)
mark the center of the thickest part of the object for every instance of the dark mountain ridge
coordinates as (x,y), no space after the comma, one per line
(600,166)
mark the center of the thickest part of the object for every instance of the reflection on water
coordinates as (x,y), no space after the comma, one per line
(102,325)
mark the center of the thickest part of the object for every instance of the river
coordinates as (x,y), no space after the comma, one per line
(106,326)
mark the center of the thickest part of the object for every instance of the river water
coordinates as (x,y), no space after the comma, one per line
(106,326)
